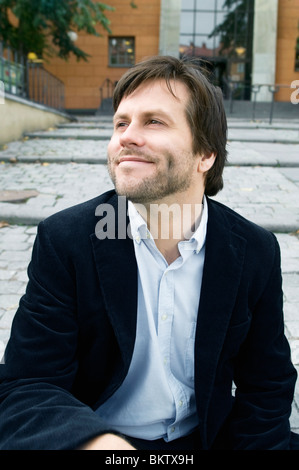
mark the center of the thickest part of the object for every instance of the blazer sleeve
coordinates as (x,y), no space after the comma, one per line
(37,407)
(265,377)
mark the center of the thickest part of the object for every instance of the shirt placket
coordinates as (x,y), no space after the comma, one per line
(165,324)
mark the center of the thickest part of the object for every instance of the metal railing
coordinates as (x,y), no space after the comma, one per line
(236,89)
(43,87)
(106,94)
(28,79)
(12,71)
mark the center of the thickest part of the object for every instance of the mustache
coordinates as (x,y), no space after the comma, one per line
(134,153)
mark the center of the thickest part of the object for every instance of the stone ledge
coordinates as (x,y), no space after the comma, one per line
(17,196)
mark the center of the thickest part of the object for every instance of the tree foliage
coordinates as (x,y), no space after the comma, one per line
(43,26)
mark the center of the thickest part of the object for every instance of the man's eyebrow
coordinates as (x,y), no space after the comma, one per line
(118,116)
(155,112)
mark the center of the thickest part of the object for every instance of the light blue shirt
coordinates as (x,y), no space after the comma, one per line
(157,399)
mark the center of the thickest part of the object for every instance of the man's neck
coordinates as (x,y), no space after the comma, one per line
(169,223)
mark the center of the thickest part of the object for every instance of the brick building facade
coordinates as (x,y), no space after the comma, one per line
(156,27)
(135,34)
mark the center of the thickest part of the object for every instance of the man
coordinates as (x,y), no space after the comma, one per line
(132,339)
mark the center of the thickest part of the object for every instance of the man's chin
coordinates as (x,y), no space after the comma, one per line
(135,198)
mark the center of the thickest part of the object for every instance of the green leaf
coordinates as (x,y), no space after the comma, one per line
(43,25)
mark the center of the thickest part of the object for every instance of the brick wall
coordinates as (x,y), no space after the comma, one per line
(287,33)
(83,79)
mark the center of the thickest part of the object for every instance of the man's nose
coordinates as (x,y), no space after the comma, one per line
(132,135)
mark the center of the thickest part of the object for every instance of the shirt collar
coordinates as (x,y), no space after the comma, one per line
(198,238)
(138,225)
(140,230)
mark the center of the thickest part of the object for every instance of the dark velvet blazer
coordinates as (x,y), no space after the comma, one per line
(73,335)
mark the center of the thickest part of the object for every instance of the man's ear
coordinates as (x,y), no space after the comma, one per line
(206,162)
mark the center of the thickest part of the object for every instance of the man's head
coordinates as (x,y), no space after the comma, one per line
(204,110)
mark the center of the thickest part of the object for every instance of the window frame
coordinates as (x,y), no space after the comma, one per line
(124,54)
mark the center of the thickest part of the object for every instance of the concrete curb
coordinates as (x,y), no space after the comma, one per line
(25,216)
(52,135)
(95,160)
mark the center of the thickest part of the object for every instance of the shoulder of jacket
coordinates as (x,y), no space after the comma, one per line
(241,225)
(76,220)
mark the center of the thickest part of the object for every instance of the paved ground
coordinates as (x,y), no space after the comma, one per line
(48,171)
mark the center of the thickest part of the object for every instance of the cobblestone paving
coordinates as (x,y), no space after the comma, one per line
(264,195)
(259,135)
(59,186)
(264,135)
(31,150)
(263,154)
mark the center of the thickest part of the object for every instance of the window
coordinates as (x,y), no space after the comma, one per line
(213,28)
(219,34)
(121,51)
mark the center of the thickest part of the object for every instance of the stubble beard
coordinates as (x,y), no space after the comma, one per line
(153,189)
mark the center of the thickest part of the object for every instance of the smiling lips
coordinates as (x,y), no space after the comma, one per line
(135,160)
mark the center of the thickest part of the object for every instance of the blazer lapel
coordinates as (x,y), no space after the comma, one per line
(225,251)
(117,271)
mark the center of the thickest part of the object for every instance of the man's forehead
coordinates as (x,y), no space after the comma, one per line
(154,90)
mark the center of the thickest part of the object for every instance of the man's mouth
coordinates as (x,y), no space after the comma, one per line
(131,159)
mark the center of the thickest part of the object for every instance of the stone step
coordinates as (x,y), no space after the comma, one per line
(264,195)
(95,152)
(65,134)
(284,136)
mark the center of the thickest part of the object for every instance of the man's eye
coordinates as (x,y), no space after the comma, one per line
(154,121)
(120,124)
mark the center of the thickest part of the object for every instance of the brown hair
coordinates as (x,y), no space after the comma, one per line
(205,111)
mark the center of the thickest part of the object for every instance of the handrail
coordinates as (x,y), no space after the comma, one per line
(109,86)
(12,71)
(28,79)
(254,90)
(106,97)
(43,87)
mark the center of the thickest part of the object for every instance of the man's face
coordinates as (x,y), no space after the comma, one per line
(150,154)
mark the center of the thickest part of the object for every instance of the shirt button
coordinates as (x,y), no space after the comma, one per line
(164,316)
(172,429)
(181,403)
